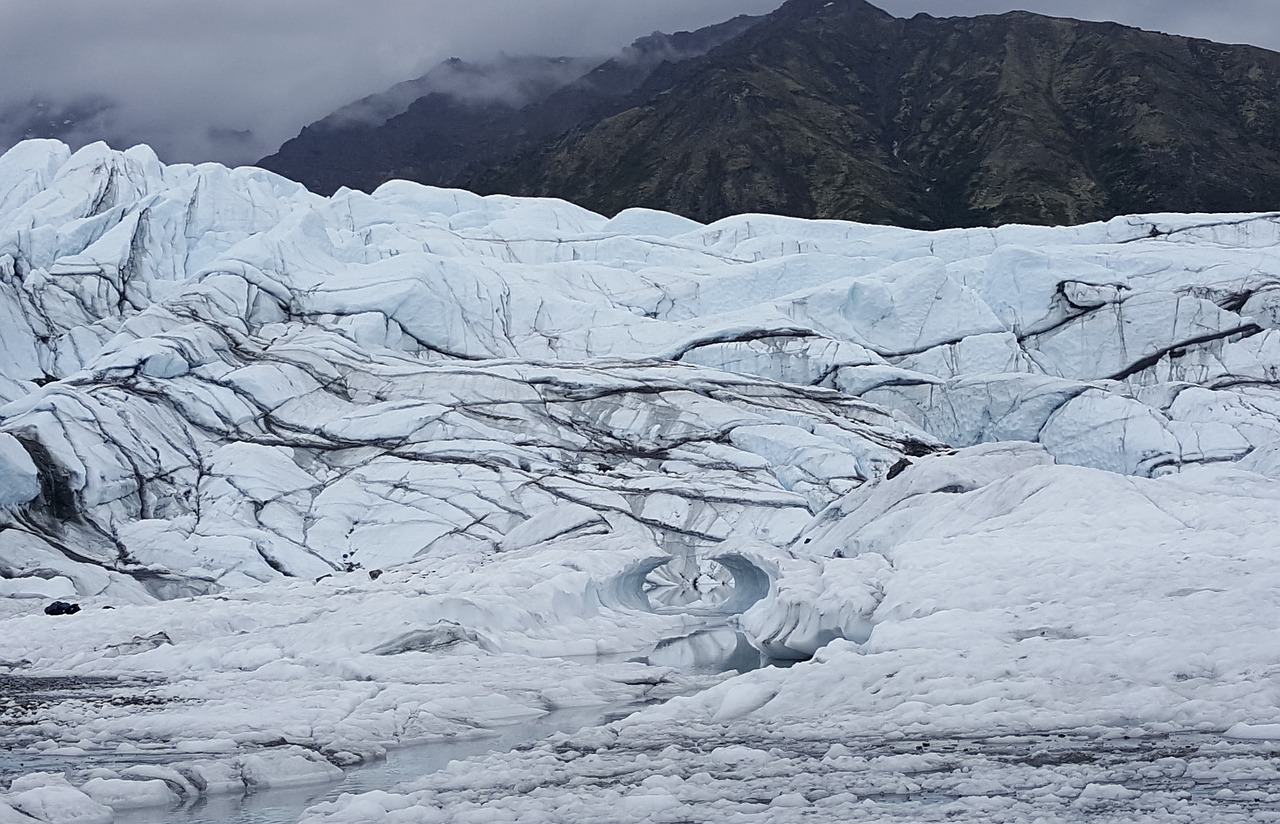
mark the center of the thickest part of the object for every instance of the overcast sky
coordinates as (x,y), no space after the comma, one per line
(230,80)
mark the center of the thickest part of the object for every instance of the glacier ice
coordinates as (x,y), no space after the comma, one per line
(336,475)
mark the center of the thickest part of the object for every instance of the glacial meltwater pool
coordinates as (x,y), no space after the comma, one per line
(713,648)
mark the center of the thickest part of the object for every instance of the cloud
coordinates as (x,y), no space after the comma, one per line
(230,80)
(186,74)
(512,81)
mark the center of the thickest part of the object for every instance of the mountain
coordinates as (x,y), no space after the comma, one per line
(839,110)
(429,129)
(70,120)
(464,117)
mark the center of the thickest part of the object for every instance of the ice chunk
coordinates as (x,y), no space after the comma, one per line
(59,804)
(292,767)
(19,480)
(120,794)
(1256,732)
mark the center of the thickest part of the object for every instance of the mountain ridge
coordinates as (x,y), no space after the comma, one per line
(447,130)
(840,110)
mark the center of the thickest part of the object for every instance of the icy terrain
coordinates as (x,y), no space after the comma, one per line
(329,477)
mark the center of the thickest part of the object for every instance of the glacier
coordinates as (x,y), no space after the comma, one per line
(331,477)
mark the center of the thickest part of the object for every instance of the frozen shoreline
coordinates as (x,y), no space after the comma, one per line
(268,783)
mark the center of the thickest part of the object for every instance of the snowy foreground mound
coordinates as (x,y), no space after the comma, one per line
(358,472)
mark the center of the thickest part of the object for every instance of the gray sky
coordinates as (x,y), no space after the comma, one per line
(230,80)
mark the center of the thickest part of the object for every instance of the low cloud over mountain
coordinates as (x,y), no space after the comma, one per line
(232,80)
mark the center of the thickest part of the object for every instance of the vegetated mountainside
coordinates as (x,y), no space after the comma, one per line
(837,109)
(462,118)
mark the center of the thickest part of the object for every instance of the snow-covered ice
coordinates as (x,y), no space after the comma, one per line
(330,477)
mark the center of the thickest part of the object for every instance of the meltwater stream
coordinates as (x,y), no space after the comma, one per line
(716,648)
(284,806)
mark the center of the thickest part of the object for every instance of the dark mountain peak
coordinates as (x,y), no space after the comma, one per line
(834,108)
(828,18)
(817,31)
(843,11)
(840,110)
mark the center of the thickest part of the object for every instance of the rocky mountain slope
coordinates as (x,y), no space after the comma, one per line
(838,110)
(42,118)
(464,117)
(329,476)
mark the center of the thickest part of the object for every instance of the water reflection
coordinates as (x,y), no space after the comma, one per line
(709,650)
(706,651)
(401,766)
(668,598)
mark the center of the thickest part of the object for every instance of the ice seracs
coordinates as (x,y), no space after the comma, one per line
(179,332)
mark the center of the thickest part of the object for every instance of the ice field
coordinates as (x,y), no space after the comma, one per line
(337,478)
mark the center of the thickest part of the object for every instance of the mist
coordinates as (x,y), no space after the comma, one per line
(230,81)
